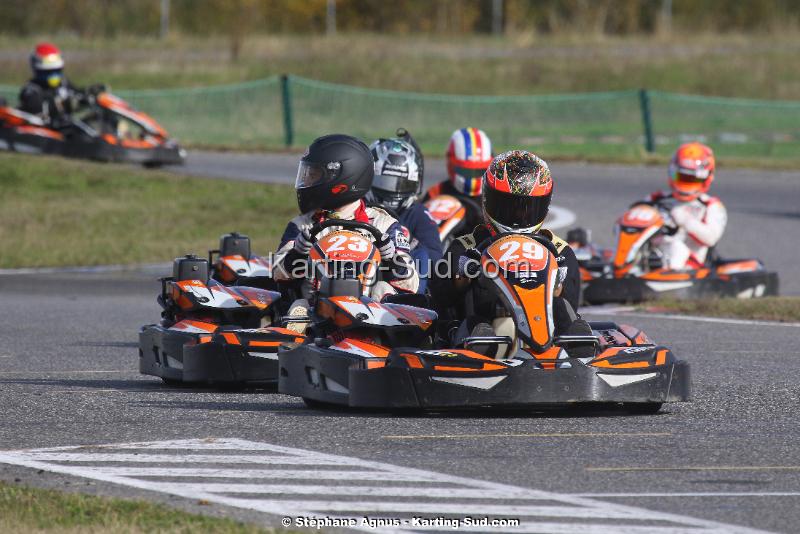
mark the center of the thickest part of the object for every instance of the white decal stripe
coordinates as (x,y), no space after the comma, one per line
(616,381)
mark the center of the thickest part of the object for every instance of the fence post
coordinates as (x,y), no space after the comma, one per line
(286,97)
(644,103)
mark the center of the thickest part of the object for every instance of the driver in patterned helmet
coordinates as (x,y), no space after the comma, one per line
(517,188)
(333,177)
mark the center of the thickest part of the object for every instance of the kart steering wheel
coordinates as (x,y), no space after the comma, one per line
(347,225)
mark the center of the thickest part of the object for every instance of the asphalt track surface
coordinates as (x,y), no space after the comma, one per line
(68,377)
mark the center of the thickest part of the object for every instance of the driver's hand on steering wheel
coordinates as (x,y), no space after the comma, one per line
(302,243)
(386,247)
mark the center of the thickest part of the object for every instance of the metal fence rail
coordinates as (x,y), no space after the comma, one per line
(290,111)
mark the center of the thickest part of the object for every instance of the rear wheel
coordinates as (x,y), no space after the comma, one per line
(642,408)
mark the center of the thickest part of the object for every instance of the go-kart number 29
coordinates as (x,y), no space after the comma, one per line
(515,252)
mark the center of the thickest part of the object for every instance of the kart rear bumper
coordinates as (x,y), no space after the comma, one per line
(634,289)
(180,357)
(322,375)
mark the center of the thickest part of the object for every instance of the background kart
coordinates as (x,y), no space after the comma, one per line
(211,334)
(358,358)
(104,128)
(633,271)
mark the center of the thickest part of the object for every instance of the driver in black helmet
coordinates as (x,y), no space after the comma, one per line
(334,175)
(517,188)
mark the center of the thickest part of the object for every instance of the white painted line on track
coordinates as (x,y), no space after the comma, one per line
(625,311)
(534,435)
(701,468)
(558,217)
(693,494)
(337,493)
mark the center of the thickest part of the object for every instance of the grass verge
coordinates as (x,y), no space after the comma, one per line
(25,509)
(782,309)
(59,212)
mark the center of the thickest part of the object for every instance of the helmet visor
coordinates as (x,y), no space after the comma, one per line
(470,173)
(515,211)
(691,178)
(310,174)
(396,184)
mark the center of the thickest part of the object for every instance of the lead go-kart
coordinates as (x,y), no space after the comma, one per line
(633,271)
(356,351)
(103,127)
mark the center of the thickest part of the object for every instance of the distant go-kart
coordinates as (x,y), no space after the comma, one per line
(633,271)
(103,128)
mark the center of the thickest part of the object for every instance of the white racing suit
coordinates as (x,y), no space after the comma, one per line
(701,223)
(385,223)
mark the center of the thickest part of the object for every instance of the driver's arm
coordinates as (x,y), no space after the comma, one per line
(287,259)
(571,287)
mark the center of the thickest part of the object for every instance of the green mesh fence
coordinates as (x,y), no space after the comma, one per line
(265,113)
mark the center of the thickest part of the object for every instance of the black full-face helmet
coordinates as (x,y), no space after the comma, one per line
(336,170)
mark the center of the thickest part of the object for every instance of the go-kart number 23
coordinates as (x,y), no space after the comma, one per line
(356,243)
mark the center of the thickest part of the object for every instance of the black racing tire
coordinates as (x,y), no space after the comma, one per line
(318,405)
(642,408)
(173,382)
(152,164)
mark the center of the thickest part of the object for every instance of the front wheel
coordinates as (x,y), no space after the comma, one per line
(642,408)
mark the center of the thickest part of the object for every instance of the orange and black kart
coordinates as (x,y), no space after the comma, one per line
(633,271)
(103,128)
(450,215)
(211,334)
(376,355)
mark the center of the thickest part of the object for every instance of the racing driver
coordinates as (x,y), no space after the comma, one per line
(699,219)
(334,175)
(517,188)
(48,93)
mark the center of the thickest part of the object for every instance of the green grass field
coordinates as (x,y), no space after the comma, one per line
(604,128)
(741,65)
(24,510)
(58,212)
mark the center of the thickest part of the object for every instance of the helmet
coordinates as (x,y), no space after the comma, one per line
(336,170)
(397,178)
(517,188)
(691,171)
(468,155)
(47,64)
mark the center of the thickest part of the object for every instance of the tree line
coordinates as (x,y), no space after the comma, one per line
(106,18)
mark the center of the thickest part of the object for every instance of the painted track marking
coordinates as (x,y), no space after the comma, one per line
(533,435)
(350,487)
(702,468)
(693,494)
(628,312)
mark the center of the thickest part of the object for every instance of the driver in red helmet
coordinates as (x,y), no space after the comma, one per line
(698,217)
(516,193)
(48,93)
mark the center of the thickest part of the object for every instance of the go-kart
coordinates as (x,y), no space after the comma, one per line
(233,263)
(450,215)
(212,334)
(369,354)
(103,127)
(633,271)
